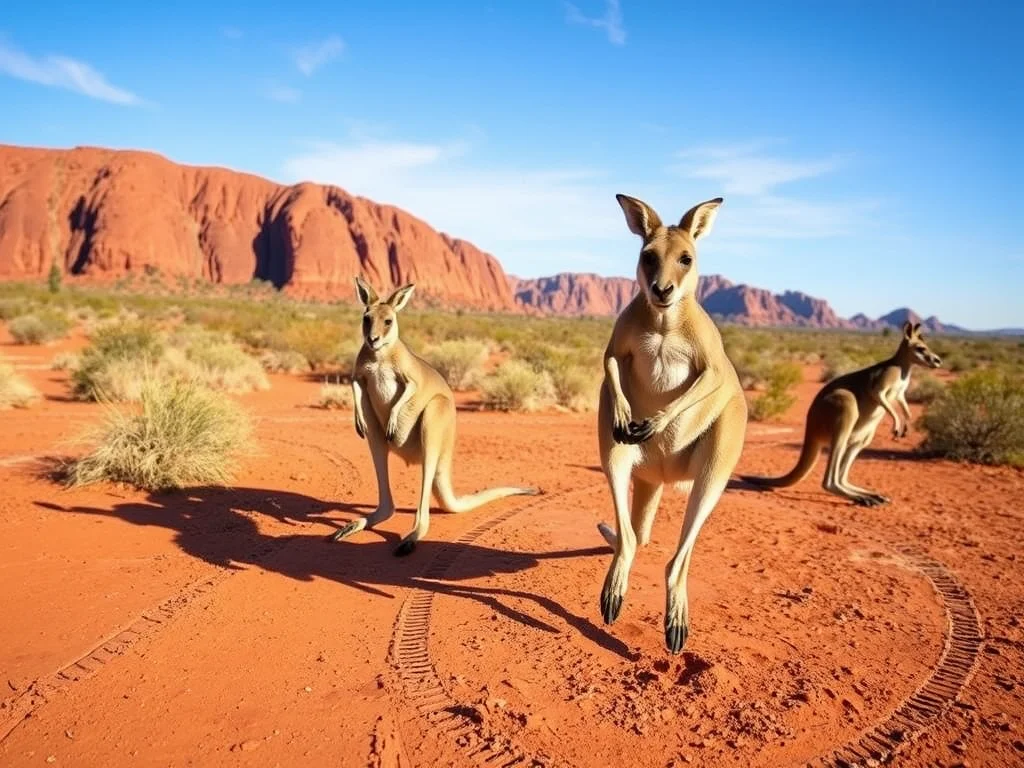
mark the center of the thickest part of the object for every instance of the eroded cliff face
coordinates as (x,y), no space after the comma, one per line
(102,214)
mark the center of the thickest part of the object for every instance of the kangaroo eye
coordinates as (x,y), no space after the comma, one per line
(686,259)
(387,323)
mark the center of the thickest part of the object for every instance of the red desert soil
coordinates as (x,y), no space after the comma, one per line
(219,627)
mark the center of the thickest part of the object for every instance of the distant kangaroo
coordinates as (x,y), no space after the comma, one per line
(404,406)
(846,413)
(671,410)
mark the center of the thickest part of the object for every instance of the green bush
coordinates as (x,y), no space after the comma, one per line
(776,400)
(979,418)
(15,391)
(181,435)
(837,365)
(517,386)
(458,360)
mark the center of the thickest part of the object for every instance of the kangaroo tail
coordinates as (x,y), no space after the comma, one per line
(808,458)
(459,504)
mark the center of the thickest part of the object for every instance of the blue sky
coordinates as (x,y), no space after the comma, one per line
(868,153)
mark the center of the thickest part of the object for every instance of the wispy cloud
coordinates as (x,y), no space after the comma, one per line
(745,169)
(283,93)
(62,72)
(309,58)
(529,214)
(750,175)
(610,21)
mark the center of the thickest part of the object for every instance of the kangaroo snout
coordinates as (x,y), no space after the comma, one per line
(662,293)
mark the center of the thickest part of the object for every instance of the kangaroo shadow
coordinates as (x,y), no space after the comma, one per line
(220,526)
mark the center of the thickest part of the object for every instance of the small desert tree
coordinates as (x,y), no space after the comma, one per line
(54,278)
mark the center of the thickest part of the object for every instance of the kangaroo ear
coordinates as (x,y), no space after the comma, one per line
(401,297)
(640,217)
(917,329)
(365,293)
(699,219)
(908,329)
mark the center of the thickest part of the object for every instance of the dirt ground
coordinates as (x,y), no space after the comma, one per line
(220,627)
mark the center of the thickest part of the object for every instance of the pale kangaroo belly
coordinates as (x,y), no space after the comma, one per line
(383,389)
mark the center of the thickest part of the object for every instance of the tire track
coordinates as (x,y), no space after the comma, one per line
(879,744)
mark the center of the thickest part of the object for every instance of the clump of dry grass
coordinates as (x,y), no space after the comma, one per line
(283,361)
(334,395)
(517,386)
(39,328)
(65,361)
(576,387)
(15,390)
(181,435)
(458,360)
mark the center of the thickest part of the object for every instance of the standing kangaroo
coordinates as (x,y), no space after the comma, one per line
(404,406)
(846,413)
(672,409)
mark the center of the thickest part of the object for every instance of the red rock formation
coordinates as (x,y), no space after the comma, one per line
(101,214)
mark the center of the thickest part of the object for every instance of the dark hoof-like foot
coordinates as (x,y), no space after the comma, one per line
(675,637)
(865,501)
(611,606)
(405,548)
(345,531)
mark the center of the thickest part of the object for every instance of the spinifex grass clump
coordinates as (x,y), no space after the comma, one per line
(458,360)
(517,386)
(777,399)
(15,391)
(180,435)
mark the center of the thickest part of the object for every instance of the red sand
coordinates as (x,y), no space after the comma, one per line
(219,627)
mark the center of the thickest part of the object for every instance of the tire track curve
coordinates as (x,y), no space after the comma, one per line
(879,744)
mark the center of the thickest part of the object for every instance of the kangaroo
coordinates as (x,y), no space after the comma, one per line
(846,413)
(404,406)
(671,408)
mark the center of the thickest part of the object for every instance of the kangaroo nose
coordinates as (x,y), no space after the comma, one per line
(662,293)
(374,339)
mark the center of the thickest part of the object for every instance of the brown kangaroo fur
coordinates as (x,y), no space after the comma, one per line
(845,414)
(671,411)
(404,406)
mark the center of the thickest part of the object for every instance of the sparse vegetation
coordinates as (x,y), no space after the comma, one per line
(53,279)
(283,361)
(517,386)
(15,391)
(925,389)
(334,395)
(576,388)
(979,418)
(39,328)
(458,360)
(64,361)
(777,398)
(181,434)
(837,365)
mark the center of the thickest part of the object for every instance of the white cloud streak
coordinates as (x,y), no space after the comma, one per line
(610,21)
(309,58)
(62,72)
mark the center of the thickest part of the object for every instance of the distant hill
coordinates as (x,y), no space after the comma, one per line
(100,214)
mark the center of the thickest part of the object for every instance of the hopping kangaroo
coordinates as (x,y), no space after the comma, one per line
(846,412)
(672,409)
(404,406)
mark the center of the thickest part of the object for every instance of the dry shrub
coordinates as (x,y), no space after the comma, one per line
(15,390)
(335,395)
(283,361)
(979,418)
(65,361)
(925,389)
(576,388)
(39,328)
(517,386)
(181,435)
(458,360)
(777,398)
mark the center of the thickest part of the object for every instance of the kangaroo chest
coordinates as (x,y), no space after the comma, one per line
(382,385)
(662,363)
